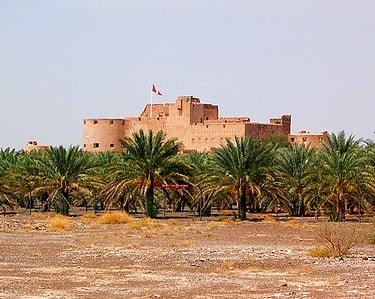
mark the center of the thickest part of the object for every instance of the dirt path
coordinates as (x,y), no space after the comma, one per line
(175,259)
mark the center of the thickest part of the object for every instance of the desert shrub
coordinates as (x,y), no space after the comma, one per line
(59,223)
(115,218)
(338,238)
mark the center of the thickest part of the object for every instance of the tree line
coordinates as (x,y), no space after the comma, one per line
(244,174)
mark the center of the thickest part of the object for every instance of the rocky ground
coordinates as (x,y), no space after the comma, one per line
(183,258)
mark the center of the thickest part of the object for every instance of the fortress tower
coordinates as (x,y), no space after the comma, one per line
(103,134)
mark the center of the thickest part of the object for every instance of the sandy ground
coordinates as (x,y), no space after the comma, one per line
(181,258)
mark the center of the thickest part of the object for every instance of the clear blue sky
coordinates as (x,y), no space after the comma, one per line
(65,60)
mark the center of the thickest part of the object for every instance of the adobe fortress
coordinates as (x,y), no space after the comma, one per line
(195,124)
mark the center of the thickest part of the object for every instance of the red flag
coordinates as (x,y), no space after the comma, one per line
(155,90)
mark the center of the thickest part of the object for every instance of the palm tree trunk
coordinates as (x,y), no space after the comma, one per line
(62,204)
(340,209)
(150,208)
(242,204)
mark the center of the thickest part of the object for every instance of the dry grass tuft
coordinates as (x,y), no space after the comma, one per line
(173,242)
(188,243)
(148,234)
(214,225)
(227,219)
(321,251)
(168,231)
(291,223)
(133,245)
(145,223)
(86,244)
(44,215)
(115,218)
(90,215)
(207,233)
(59,223)
(228,266)
(268,218)
(173,221)
(27,227)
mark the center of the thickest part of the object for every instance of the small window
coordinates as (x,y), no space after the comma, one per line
(292,139)
(84,122)
(112,145)
(111,123)
(84,145)
(95,121)
(95,145)
(304,139)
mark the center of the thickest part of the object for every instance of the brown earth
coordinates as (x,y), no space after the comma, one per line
(180,258)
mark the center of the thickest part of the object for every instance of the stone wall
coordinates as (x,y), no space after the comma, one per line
(195,124)
(316,140)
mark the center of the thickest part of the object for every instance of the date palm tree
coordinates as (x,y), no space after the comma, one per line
(148,161)
(367,200)
(243,166)
(343,174)
(294,170)
(66,175)
(8,158)
(201,192)
(23,177)
(119,190)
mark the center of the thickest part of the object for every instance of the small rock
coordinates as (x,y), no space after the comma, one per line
(283,283)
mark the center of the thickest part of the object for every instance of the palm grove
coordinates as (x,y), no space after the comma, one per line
(246,175)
